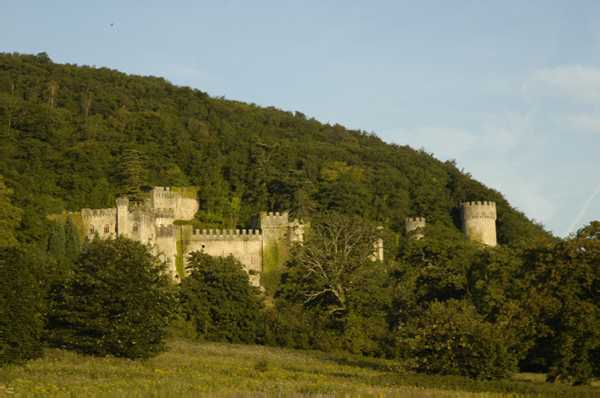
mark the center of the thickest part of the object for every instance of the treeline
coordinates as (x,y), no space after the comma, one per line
(76,137)
(442,307)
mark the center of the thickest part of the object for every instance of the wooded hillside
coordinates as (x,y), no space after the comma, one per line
(80,136)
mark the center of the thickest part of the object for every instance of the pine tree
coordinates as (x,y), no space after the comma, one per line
(57,240)
(72,240)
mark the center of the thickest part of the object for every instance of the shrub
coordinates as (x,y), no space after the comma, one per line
(453,339)
(218,298)
(118,301)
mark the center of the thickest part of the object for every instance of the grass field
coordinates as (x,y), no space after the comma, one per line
(190,368)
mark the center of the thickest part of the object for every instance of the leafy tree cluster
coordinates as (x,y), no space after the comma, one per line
(445,306)
(116,302)
(219,301)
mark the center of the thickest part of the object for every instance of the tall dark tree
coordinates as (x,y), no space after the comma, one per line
(21,300)
(57,240)
(72,239)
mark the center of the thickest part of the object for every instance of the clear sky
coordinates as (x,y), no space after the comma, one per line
(509,89)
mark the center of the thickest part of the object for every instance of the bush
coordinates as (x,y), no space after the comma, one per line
(453,339)
(21,305)
(117,302)
(218,298)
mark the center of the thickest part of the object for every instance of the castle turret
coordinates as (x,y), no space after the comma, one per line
(378,246)
(122,217)
(411,224)
(479,221)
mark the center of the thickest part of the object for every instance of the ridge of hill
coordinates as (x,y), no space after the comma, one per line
(79,136)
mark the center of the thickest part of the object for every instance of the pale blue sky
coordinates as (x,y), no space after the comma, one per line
(510,89)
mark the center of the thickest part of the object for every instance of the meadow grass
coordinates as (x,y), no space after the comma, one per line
(192,368)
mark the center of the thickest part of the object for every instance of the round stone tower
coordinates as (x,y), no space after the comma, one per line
(479,221)
(410,224)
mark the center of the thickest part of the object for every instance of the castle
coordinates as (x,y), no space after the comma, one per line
(152,222)
(478,222)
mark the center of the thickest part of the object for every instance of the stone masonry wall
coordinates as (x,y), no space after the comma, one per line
(184,208)
(244,245)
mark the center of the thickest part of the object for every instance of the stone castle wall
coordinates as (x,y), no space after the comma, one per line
(184,208)
(100,221)
(244,245)
(411,224)
(479,221)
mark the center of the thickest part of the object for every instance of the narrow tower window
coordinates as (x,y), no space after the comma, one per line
(134,227)
(91,229)
(106,229)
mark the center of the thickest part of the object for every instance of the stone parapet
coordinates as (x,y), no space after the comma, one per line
(226,234)
(98,212)
(470,210)
(411,224)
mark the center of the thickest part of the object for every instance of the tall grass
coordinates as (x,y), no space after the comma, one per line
(190,368)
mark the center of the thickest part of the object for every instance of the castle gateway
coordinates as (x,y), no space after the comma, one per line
(153,223)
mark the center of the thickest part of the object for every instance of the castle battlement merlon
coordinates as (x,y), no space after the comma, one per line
(414,220)
(274,220)
(227,232)
(413,223)
(478,209)
(98,212)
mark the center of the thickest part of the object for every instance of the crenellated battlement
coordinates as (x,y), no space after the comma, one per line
(226,234)
(162,192)
(415,220)
(410,224)
(478,209)
(98,212)
(274,220)
(122,202)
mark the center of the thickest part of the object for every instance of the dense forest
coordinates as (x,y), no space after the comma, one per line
(78,137)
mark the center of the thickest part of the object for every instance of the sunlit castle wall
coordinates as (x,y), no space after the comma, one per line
(479,221)
(100,221)
(164,198)
(166,247)
(244,245)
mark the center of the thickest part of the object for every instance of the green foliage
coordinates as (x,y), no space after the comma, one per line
(334,277)
(451,338)
(72,239)
(118,301)
(57,241)
(10,217)
(563,304)
(218,298)
(21,304)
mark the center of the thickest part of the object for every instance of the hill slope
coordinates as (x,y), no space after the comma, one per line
(77,136)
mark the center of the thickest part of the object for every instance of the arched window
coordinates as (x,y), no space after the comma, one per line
(91,229)
(134,227)
(106,229)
